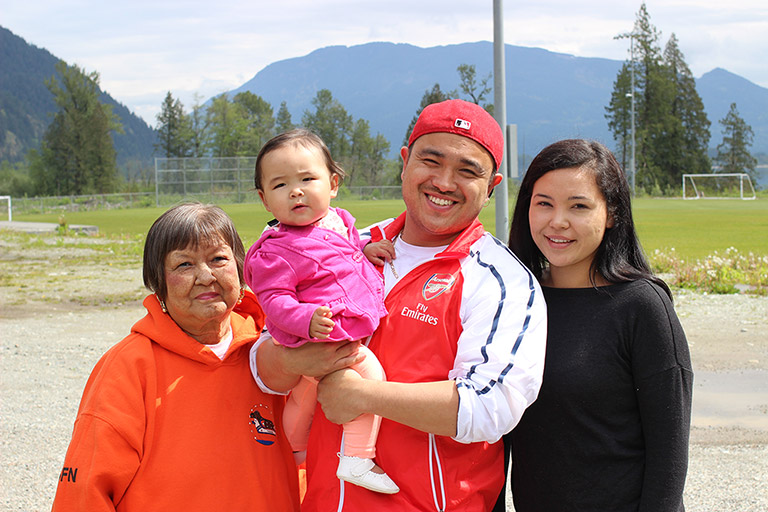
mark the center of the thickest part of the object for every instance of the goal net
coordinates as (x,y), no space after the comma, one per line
(718,186)
(5,208)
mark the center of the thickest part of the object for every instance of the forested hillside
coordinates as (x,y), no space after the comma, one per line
(27,106)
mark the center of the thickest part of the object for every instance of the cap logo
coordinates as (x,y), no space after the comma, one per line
(461,123)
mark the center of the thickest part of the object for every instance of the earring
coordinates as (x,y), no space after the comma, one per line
(487,202)
(242,294)
(162,304)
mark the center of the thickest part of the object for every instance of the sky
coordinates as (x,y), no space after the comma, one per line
(197,49)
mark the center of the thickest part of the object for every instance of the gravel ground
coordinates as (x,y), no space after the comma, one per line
(62,306)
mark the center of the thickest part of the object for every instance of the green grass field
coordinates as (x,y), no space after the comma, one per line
(695,229)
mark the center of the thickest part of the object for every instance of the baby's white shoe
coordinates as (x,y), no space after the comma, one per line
(356,470)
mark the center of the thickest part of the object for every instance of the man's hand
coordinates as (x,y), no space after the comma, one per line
(340,395)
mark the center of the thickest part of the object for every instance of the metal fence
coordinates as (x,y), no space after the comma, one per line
(225,179)
(209,180)
(229,180)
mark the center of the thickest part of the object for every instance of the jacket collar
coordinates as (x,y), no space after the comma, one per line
(459,248)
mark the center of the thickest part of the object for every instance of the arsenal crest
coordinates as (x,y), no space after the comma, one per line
(436,285)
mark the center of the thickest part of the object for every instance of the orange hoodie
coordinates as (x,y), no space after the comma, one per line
(164,424)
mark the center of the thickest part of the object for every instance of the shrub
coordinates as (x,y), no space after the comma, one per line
(730,272)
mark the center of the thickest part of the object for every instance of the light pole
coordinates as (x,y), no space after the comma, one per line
(631,95)
(500,113)
(632,108)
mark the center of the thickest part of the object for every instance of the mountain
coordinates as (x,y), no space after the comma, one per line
(550,95)
(719,88)
(27,107)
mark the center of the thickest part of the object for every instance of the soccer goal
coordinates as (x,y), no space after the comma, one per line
(3,201)
(718,186)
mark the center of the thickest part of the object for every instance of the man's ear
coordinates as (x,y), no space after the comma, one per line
(495,180)
(264,200)
(404,155)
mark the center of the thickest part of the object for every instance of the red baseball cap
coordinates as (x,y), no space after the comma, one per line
(462,118)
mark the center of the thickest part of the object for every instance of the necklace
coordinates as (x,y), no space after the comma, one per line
(392,265)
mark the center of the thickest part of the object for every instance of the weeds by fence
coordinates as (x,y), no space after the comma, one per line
(65,204)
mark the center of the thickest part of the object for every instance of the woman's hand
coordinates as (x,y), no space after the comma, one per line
(280,368)
(319,359)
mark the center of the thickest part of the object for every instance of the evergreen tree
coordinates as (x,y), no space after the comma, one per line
(619,113)
(77,152)
(733,154)
(652,103)
(331,122)
(688,139)
(671,127)
(434,95)
(173,131)
(283,121)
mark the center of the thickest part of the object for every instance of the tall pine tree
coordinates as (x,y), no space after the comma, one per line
(733,154)
(671,127)
(283,122)
(619,113)
(173,130)
(688,138)
(77,151)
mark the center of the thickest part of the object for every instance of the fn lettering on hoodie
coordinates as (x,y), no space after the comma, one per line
(69,473)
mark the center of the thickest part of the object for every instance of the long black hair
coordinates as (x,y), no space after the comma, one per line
(619,257)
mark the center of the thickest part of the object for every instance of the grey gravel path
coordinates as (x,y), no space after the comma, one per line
(49,343)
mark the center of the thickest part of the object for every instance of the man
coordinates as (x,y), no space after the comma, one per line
(463,344)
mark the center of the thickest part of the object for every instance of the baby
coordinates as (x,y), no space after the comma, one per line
(315,284)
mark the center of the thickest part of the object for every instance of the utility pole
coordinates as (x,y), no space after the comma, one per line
(500,113)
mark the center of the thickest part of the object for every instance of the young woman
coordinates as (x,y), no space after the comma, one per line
(609,430)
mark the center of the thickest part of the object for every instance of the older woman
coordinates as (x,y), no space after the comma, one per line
(170,418)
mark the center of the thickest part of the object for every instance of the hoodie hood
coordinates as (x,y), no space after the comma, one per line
(247,321)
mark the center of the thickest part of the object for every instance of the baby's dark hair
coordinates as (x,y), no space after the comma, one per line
(298,137)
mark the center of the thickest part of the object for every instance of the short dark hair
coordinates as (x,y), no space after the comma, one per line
(298,137)
(184,225)
(619,257)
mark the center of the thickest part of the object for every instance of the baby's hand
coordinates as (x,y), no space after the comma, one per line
(379,252)
(321,325)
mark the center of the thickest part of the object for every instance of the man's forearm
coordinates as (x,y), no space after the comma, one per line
(427,406)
